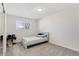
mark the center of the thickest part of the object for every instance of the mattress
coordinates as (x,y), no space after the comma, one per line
(26,41)
(33,38)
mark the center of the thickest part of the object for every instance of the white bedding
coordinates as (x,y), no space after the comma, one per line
(32,38)
(26,41)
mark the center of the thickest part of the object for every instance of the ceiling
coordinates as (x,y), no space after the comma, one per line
(29,9)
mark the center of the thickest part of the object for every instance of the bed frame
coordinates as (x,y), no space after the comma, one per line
(36,44)
(37,40)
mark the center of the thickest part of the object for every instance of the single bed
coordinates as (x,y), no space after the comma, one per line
(34,40)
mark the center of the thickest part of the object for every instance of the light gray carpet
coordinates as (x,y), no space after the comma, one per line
(45,49)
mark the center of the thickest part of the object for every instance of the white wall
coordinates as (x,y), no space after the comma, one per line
(1,23)
(63,28)
(21,33)
(1,8)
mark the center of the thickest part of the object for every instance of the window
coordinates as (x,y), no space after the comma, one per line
(20,24)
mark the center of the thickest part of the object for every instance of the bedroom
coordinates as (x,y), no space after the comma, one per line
(58,23)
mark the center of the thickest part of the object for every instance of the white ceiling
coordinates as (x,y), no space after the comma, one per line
(29,9)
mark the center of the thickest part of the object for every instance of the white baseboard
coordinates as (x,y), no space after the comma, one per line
(65,46)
